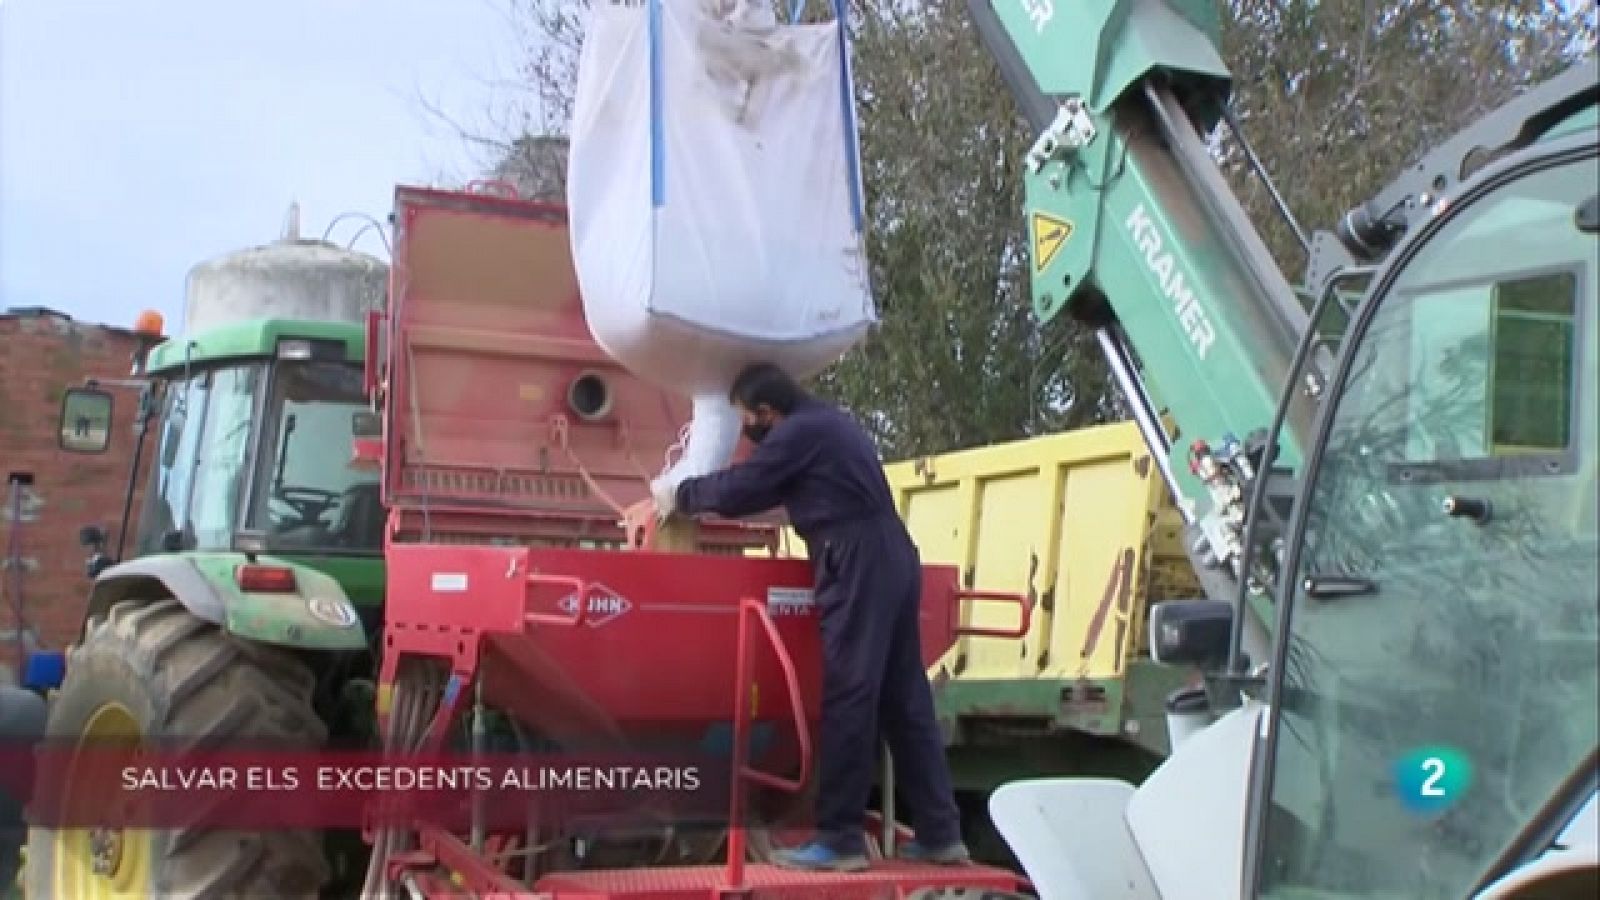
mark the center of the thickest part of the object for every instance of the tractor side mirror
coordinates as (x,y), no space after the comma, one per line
(366,441)
(366,424)
(1191,633)
(91,537)
(85,425)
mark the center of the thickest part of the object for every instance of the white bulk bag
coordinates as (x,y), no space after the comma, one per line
(714,198)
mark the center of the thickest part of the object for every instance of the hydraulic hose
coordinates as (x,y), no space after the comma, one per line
(374,886)
(410,709)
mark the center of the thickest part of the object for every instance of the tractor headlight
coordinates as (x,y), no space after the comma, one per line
(305,349)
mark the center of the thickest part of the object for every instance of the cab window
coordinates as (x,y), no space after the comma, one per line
(1423,720)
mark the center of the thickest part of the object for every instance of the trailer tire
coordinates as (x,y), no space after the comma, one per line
(172,675)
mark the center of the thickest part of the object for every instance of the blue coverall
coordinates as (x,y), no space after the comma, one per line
(821,466)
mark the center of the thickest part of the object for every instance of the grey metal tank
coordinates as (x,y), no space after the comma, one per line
(292,278)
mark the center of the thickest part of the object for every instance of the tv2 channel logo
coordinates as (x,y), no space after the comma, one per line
(1430,780)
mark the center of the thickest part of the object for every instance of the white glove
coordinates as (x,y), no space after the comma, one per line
(665,492)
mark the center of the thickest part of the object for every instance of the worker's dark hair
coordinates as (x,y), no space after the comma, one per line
(766,383)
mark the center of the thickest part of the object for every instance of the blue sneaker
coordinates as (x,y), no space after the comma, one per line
(816,857)
(950,855)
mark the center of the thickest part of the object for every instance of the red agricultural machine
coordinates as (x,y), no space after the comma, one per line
(521,602)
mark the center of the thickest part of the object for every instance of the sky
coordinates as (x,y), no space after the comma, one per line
(140,137)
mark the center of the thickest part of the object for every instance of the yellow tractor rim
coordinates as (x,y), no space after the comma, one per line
(101,863)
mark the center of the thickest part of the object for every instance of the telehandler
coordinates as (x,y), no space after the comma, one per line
(1388,477)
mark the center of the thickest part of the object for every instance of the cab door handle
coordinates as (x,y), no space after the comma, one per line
(1330,587)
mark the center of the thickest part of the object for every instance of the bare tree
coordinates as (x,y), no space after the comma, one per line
(537,166)
(1340,97)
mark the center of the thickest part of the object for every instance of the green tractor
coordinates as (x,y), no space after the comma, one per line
(247,610)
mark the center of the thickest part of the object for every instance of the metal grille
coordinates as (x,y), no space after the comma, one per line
(411,535)
(730,546)
(456,482)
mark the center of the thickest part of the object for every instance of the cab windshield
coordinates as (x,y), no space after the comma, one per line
(308,498)
(193,498)
(1426,717)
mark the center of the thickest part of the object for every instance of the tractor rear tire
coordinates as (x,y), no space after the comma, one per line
(178,677)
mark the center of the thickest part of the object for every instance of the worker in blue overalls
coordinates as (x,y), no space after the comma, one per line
(821,466)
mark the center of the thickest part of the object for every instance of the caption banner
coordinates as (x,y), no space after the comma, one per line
(260,790)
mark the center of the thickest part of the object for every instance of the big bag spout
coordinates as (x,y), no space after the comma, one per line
(714,193)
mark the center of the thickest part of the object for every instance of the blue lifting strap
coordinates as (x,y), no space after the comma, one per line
(658,175)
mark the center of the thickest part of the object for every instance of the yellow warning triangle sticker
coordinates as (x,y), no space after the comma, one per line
(1049,236)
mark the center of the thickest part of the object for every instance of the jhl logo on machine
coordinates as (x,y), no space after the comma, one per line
(604,605)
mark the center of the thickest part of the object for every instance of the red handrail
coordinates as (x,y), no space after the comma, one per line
(1024,608)
(580,592)
(742,771)
(791,682)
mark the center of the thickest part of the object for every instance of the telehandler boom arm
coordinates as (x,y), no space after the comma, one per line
(1415,481)
(1134,231)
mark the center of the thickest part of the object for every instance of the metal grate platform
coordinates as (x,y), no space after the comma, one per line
(884,881)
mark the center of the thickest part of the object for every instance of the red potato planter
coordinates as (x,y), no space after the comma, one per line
(512,446)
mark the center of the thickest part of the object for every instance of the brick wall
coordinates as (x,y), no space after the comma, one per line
(42,353)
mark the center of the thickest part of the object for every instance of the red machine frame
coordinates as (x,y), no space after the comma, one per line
(545,588)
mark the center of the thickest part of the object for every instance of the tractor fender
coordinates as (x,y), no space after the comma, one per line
(316,615)
(149,576)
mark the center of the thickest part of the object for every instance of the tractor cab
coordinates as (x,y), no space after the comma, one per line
(254,428)
(261,444)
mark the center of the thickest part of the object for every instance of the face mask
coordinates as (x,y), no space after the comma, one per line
(757,431)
